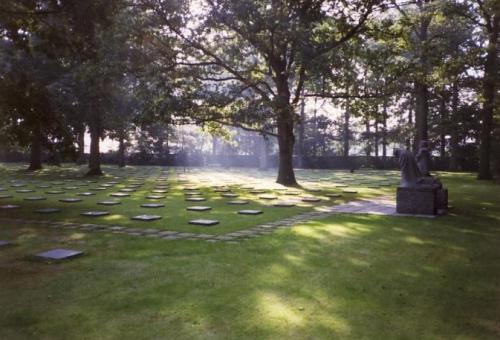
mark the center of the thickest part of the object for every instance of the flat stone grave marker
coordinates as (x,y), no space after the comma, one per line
(113,182)
(70,200)
(3,189)
(257,191)
(195,199)
(203,222)
(109,203)
(85,193)
(268,197)
(237,202)
(43,186)
(152,205)
(292,193)
(222,190)
(5,196)
(198,208)
(119,194)
(35,198)
(192,193)
(24,191)
(159,191)
(349,191)
(341,185)
(58,254)
(311,199)
(333,195)
(146,218)
(127,190)
(9,206)
(250,212)
(54,192)
(155,197)
(106,185)
(230,195)
(18,185)
(94,213)
(69,188)
(284,204)
(97,189)
(4,243)
(47,210)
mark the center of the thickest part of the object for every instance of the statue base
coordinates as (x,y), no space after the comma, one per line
(422,200)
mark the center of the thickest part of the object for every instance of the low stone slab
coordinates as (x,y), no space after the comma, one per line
(203,222)
(94,213)
(109,203)
(97,189)
(18,185)
(54,192)
(350,191)
(198,208)
(4,243)
(159,191)
(284,204)
(24,191)
(222,190)
(155,197)
(5,196)
(237,202)
(9,206)
(35,198)
(257,191)
(85,194)
(311,199)
(146,218)
(69,188)
(250,212)
(119,194)
(3,189)
(106,185)
(292,193)
(59,254)
(333,195)
(230,195)
(127,190)
(192,193)
(152,205)
(47,210)
(267,197)
(70,200)
(195,199)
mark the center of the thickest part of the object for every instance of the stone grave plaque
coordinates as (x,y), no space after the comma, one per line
(58,254)
(195,199)
(292,193)
(70,200)
(97,189)
(47,210)
(54,192)
(198,208)
(152,205)
(109,203)
(5,196)
(190,188)
(349,191)
(106,185)
(333,195)
(127,190)
(4,243)
(257,191)
(268,197)
(85,194)
(155,197)
(94,213)
(284,204)
(146,218)
(237,202)
(3,189)
(119,194)
(311,199)
(203,222)
(24,191)
(69,188)
(43,186)
(18,185)
(9,206)
(230,195)
(250,212)
(35,198)
(221,190)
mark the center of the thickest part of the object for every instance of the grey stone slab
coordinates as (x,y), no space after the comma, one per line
(257,191)
(350,191)
(54,192)
(146,218)
(198,208)
(292,193)
(333,195)
(250,212)
(222,190)
(109,203)
(204,222)
(230,195)
(311,199)
(284,204)
(24,191)
(106,185)
(5,243)
(69,188)
(159,191)
(267,197)
(94,213)
(152,205)
(35,198)
(237,202)
(59,254)
(127,190)
(18,185)
(9,206)
(5,196)
(97,189)
(155,197)
(119,194)
(195,199)
(3,189)
(85,194)
(70,200)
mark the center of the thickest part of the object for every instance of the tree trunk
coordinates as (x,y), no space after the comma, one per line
(80,139)
(489,89)
(121,150)
(263,164)
(95,155)
(347,133)
(410,124)
(36,148)
(454,129)
(368,148)
(384,130)
(442,128)
(376,134)
(421,113)
(301,130)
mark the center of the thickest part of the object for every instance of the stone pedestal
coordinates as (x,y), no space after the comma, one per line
(417,200)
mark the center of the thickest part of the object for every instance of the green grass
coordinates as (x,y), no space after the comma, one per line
(355,277)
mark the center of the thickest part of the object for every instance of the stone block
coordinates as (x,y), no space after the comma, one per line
(417,201)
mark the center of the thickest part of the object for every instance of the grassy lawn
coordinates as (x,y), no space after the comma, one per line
(354,277)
